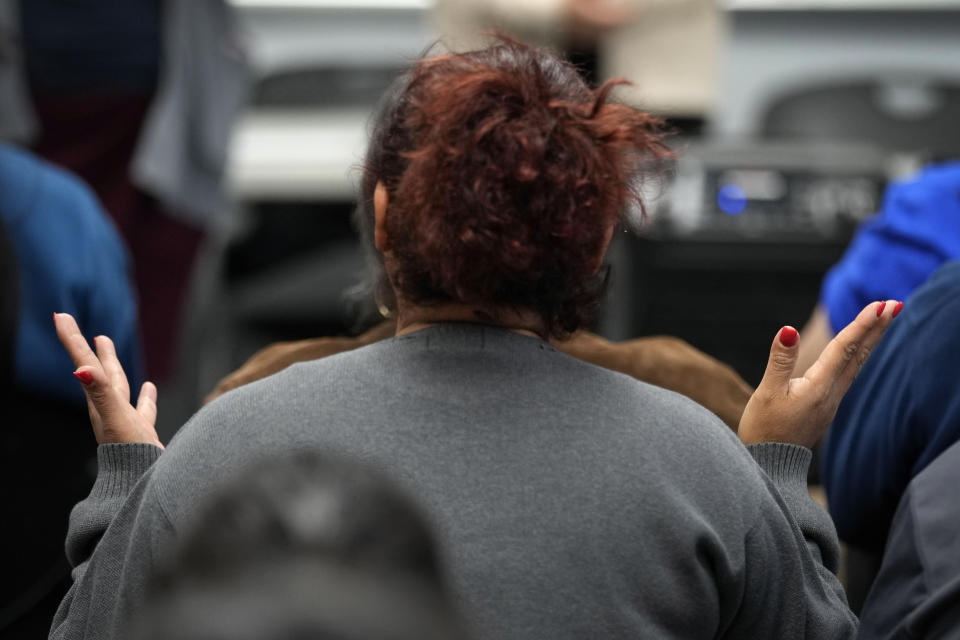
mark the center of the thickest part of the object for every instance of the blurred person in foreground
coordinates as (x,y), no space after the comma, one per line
(63,253)
(303,547)
(917,589)
(136,97)
(567,500)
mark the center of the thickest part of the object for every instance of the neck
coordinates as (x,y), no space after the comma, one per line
(412,318)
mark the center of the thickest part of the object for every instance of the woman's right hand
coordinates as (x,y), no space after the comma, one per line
(113,418)
(799,410)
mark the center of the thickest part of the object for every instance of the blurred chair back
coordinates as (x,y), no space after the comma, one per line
(896,115)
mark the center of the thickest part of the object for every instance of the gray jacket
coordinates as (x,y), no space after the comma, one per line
(204,82)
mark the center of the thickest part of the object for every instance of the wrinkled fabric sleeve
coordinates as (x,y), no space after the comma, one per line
(792,552)
(98,536)
(786,465)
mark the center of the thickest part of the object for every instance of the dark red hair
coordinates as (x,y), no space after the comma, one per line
(504,172)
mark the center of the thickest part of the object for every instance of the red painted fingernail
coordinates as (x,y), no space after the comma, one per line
(880,308)
(788,336)
(83,376)
(897,309)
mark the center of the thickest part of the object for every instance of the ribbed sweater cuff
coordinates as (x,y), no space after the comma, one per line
(786,464)
(119,466)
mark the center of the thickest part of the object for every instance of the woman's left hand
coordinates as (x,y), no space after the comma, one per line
(113,418)
(799,410)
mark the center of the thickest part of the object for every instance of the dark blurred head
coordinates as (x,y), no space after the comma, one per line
(505,175)
(303,547)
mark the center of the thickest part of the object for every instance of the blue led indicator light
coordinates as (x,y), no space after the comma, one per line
(731,199)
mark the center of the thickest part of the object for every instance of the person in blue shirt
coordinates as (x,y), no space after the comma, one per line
(917,590)
(915,232)
(901,413)
(60,251)
(68,256)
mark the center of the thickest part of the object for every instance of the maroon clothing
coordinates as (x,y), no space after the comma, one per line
(94,135)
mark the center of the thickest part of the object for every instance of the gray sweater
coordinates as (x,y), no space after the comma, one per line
(569,501)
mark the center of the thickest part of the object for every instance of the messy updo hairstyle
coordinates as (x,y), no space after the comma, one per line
(504,172)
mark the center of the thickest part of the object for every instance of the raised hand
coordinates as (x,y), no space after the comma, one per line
(799,410)
(113,418)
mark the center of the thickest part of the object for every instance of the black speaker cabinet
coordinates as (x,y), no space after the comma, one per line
(726,298)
